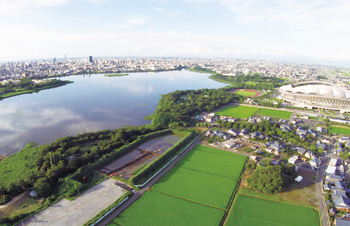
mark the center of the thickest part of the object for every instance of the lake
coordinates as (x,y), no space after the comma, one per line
(91,103)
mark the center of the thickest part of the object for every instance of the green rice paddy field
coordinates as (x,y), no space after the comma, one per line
(197,186)
(214,161)
(274,113)
(154,208)
(195,192)
(339,130)
(249,211)
(238,111)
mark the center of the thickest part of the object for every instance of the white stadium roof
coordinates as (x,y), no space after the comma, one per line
(320,89)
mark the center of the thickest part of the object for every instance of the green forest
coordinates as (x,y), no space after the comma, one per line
(176,108)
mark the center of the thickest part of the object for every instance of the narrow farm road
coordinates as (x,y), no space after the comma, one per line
(319,193)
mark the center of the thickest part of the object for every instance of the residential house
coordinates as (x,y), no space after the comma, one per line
(294,159)
(315,162)
(309,154)
(244,132)
(285,128)
(344,139)
(341,203)
(233,132)
(228,144)
(300,150)
(333,162)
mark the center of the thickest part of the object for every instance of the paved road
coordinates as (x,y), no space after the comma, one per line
(137,194)
(319,193)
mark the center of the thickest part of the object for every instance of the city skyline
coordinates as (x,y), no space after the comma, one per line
(311,32)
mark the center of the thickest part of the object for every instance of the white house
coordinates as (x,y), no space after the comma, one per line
(331,169)
(293,159)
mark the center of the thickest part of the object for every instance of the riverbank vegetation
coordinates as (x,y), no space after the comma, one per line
(26,85)
(177,108)
(115,75)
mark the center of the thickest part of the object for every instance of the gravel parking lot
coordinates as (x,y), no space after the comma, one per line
(81,209)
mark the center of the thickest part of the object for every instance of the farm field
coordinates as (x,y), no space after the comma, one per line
(274,113)
(197,186)
(226,164)
(154,208)
(249,211)
(194,192)
(238,111)
(339,130)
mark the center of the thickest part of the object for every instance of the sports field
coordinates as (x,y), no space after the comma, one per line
(154,208)
(274,113)
(246,93)
(238,111)
(249,211)
(339,130)
(195,192)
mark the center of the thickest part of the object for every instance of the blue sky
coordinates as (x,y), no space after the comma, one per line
(287,30)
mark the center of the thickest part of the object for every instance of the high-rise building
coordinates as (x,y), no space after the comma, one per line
(90,59)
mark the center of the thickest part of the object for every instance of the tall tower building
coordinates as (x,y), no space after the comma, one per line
(90,59)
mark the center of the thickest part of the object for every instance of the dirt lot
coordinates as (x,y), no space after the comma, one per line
(81,209)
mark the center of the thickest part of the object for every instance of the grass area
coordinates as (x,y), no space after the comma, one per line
(253,211)
(18,166)
(115,75)
(339,130)
(154,208)
(293,195)
(200,70)
(16,93)
(197,186)
(246,93)
(274,113)
(21,206)
(238,111)
(214,161)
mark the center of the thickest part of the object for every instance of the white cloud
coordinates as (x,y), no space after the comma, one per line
(132,22)
(11,7)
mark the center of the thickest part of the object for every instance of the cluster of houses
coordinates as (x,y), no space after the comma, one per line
(336,185)
(211,117)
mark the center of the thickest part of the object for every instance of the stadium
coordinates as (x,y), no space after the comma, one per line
(316,95)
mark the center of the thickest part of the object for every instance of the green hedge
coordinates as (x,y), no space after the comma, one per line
(149,170)
(103,212)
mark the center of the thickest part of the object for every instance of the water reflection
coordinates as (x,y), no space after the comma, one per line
(91,103)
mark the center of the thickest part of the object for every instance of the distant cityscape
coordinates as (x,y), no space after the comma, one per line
(230,67)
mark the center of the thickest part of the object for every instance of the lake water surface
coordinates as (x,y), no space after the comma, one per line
(91,103)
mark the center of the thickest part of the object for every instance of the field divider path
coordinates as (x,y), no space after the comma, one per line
(233,196)
(188,200)
(213,174)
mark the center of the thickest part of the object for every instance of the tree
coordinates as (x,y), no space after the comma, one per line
(42,187)
(268,179)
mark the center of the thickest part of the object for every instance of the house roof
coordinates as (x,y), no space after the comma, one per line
(340,202)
